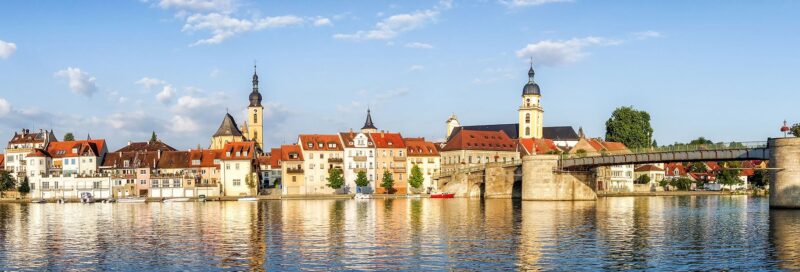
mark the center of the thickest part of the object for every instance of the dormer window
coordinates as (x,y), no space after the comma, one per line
(320,145)
(74,150)
(310,145)
(245,153)
(195,162)
(238,153)
(228,154)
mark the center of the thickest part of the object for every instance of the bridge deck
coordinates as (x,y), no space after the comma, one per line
(738,154)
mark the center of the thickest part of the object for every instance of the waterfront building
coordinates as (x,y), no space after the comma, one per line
(359,156)
(617,178)
(655,173)
(205,167)
(534,146)
(322,153)
(67,169)
(471,148)
(239,169)
(20,145)
(425,155)
(131,166)
(270,169)
(291,162)
(173,177)
(227,132)
(390,157)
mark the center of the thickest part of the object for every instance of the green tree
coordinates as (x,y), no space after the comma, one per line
(24,188)
(416,178)
(643,179)
(335,179)
(580,153)
(795,130)
(681,183)
(697,167)
(153,137)
(388,181)
(728,176)
(630,127)
(69,136)
(7,181)
(251,181)
(361,179)
(701,141)
(760,178)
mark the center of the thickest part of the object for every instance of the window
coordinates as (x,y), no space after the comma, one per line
(527,118)
(45,185)
(528,102)
(294,178)
(310,145)
(154,183)
(321,156)
(143,172)
(255,135)
(143,182)
(255,118)
(194,162)
(176,183)
(33,186)
(96,185)
(527,131)
(237,166)
(237,182)
(228,166)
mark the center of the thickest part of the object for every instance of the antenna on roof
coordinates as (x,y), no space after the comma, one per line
(531,62)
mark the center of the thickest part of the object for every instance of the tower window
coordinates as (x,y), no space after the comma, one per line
(527,131)
(527,118)
(528,102)
(255,118)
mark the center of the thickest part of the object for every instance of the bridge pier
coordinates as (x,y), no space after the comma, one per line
(498,180)
(784,184)
(541,181)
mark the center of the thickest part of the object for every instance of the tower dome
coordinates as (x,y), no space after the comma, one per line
(255,96)
(531,88)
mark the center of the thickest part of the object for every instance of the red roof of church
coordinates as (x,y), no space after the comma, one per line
(480,140)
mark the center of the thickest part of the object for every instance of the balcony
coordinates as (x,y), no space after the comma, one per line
(401,159)
(294,171)
(360,158)
(399,169)
(335,160)
(357,170)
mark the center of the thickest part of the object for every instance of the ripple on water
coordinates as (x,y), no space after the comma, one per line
(626,233)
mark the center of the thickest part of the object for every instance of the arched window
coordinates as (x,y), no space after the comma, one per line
(255,118)
(528,102)
(255,135)
(527,118)
(527,131)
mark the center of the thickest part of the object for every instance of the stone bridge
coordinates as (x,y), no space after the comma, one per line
(555,177)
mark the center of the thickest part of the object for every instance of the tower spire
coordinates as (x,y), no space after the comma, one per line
(531,72)
(255,96)
(368,125)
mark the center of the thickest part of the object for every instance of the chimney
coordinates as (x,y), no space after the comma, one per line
(382,134)
(129,142)
(159,154)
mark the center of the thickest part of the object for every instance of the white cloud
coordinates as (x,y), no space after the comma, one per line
(392,26)
(80,82)
(182,123)
(275,113)
(552,53)
(166,94)
(419,45)
(7,49)
(225,6)
(224,26)
(215,72)
(647,35)
(5,107)
(123,99)
(529,3)
(149,83)
(322,21)
(416,68)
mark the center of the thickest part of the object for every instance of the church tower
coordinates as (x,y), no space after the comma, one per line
(530,111)
(452,124)
(369,127)
(255,115)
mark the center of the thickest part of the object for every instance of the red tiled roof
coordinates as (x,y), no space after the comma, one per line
(747,172)
(648,168)
(143,159)
(2,161)
(480,140)
(38,153)
(146,146)
(238,151)
(387,140)
(316,142)
(68,149)
(713,166)
(174,159)
(275,157)
(287,150)
(418,147)
(207,157)
(538,146)
(29,137)
(670,168)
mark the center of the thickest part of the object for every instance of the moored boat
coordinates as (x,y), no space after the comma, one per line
(442,195)
(179,199)
(87,197)
(131,200)
(41,200)
(248,199)
(413,196)
(362,196)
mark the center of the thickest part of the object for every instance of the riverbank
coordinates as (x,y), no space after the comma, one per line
(672,193)
(235,198)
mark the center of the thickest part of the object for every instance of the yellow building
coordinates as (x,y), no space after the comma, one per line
(530,111)
(229,132)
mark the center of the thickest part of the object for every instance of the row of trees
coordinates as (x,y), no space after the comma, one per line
(336,179)
(8,183)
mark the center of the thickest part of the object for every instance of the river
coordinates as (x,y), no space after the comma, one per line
(664,233)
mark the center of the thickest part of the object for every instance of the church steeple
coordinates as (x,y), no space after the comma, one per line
(369,127)
(255,96)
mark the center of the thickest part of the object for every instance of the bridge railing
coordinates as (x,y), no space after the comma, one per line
(672,148)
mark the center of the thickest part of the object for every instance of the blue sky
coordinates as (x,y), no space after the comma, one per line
(725,70)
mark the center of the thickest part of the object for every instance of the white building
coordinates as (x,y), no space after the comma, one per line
(424,155)
(20,145)
(359,156)
(67,169)
(238,162)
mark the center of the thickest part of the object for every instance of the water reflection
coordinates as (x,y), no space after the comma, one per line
(672,233)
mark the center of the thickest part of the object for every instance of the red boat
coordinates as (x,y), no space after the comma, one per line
(442,195)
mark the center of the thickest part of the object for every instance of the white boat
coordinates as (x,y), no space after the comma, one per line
(131,200)
(362,196)
(412,196)
(179,199)
(38,201)
(87,197)
(248,199)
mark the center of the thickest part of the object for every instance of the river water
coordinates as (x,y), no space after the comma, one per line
(662,233)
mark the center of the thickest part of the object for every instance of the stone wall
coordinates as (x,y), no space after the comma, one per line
(541,181)
(499,181)
(784,184)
